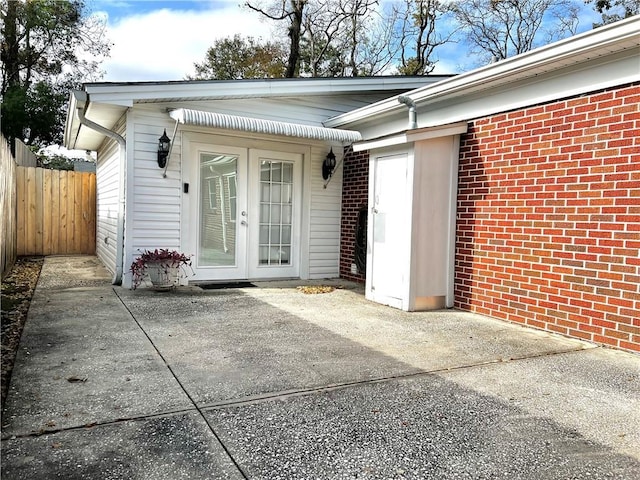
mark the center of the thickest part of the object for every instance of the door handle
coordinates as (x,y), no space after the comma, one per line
(243,222)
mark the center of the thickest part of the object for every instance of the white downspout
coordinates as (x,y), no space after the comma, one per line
(408,101)
(81,105)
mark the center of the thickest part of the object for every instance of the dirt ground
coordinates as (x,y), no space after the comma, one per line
(17,289)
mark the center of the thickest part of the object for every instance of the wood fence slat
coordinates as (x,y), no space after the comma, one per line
(55,211)
(47,228)
(71,193)
(21,217)
(8,178)
(39,191)
(30,244)
(64,219)
(77,211)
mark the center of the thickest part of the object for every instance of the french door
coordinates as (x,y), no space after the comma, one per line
(247,213)
(275,198)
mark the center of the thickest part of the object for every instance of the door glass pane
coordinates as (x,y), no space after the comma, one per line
(276,178)
(264,234)
(275,193)
(287,173)
(217,207)
(265,191)
(265,172)
(286,234)
(275,213)
(286,214)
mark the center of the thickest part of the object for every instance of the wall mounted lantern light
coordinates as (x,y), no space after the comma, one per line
(328,165)
(164,144)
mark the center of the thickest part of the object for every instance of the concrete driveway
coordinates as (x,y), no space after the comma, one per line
(271,383)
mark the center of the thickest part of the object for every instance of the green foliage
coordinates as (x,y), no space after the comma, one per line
(48,47)
(55,162)
(237,58)
(13,113)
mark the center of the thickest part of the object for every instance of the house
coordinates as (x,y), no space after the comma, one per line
(242,187)
(512,190)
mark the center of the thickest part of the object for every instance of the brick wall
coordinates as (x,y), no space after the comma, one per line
(548,231)
(355,186)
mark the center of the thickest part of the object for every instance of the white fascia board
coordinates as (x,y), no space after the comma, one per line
(126,94)
(72,124)
(411,136)
(581,48)
(620,69)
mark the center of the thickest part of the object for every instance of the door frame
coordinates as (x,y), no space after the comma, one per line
(190,137)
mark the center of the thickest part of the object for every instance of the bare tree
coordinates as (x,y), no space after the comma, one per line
(291,11)
(337,37)
(377,48)
(615,10)
(419,36)
(322,29)
(498,29)
(358,37)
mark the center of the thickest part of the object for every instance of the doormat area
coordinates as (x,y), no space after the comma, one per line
(218,286)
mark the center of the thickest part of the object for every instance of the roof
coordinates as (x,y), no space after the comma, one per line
(106,102)
(600,58)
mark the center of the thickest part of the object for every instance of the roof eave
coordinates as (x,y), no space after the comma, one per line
(598,42)
(127,93)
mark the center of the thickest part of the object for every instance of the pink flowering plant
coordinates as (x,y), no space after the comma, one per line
(165,258)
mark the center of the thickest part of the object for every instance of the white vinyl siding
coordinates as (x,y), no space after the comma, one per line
(107,202)
(153,215)
(324,221)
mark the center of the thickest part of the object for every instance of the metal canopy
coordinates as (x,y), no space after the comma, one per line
(256,125)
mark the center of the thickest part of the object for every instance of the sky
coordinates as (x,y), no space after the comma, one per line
(162,39)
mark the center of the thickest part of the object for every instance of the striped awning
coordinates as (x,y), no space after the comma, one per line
(257,125)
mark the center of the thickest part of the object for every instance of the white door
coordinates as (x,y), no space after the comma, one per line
(388,230)
(247,207)
(219,208)
(275,198)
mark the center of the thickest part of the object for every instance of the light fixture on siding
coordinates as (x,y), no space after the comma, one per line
(164,144)
(328,165)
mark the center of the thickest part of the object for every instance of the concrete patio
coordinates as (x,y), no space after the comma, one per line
(271,383)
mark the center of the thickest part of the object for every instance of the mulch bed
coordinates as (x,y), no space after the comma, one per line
(17,289)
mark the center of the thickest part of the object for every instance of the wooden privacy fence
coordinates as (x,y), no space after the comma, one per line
(7,207)
(56,212)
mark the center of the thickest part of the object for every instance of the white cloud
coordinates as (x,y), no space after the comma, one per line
(164,44)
